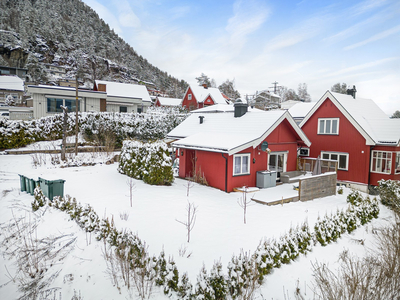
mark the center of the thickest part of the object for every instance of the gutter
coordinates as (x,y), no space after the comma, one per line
(226,172)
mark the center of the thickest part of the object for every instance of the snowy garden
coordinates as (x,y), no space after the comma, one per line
(114,236)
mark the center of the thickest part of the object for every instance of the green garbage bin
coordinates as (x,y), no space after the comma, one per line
(22,181)
(32,185)
(52,188)
(27,185)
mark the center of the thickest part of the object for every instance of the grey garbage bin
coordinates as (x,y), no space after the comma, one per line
(266,179)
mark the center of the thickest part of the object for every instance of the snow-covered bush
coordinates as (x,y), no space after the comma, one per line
(213,286)
(149,162)
(389,191)
(243,277)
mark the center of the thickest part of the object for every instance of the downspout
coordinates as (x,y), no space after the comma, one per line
(226,173)
(370,165)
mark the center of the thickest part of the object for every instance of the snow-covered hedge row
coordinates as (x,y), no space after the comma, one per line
(152,125)
(15,134)
(245,272)
(147,161)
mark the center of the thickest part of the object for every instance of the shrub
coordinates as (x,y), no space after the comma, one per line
(149,162)
(389,191)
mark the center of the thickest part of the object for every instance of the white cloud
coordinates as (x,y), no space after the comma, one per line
(248,16)
(374,38)
(126,16)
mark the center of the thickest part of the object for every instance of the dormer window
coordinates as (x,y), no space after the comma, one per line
(328,126)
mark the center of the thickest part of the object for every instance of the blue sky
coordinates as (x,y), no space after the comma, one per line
(258,42)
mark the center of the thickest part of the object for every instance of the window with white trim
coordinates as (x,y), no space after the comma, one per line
(381,162)
(190,97)
(241,164)
(54,105)
(397,166)
(328,126)
(340,157)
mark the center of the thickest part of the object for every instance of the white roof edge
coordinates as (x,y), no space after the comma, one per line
(368,139)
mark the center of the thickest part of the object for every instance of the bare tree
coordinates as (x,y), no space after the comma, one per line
(191,218)
(131,185)
(243,202)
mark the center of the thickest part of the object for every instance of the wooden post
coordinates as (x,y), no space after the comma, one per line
(64,136)
(76,115)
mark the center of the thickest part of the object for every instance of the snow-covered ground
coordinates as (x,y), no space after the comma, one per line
(219,231)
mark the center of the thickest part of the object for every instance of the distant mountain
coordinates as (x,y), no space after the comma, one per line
(69,33)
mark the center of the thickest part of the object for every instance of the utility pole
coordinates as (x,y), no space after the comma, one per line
(275,86)
(76,115)
(64,136)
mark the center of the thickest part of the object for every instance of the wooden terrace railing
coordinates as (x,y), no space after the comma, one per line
(308,163)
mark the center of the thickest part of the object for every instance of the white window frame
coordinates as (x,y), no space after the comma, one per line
(376,166)
(397,165)
(241,172)
(325,126)
(338,158)
(190,97)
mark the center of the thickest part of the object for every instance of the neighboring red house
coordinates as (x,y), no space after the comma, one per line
(167,102)
(356,133)
(225,147)
(201,96)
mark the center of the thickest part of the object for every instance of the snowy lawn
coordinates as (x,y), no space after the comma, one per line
(219,231)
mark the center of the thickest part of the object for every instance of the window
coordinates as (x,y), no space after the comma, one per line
(328,126)
(54,105)
(381,162)
(277,161)
(341,158)
(397,166)
(241,164)
(123,109)
(190,97)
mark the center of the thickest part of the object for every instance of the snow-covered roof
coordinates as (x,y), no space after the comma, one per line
(201,93)
(219,108)
(169,101)
(222,132)
(125,90)
(366,116)
(11,83)
(301,109)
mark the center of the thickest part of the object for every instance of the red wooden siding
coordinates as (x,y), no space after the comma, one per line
(349,141)
(209,101)
(189,104)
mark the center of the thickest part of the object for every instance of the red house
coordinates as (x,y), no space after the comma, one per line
(201,96)
(228,148)
(356,133)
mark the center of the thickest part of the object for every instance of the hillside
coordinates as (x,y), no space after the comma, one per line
(71,34)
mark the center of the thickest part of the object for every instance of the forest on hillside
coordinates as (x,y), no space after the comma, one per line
(69,33)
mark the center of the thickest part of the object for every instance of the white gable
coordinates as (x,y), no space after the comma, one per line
(125,90)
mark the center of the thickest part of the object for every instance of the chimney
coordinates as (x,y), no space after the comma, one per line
(205,85)
(352,92)
(102,87)
(240,108)
(201,119)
